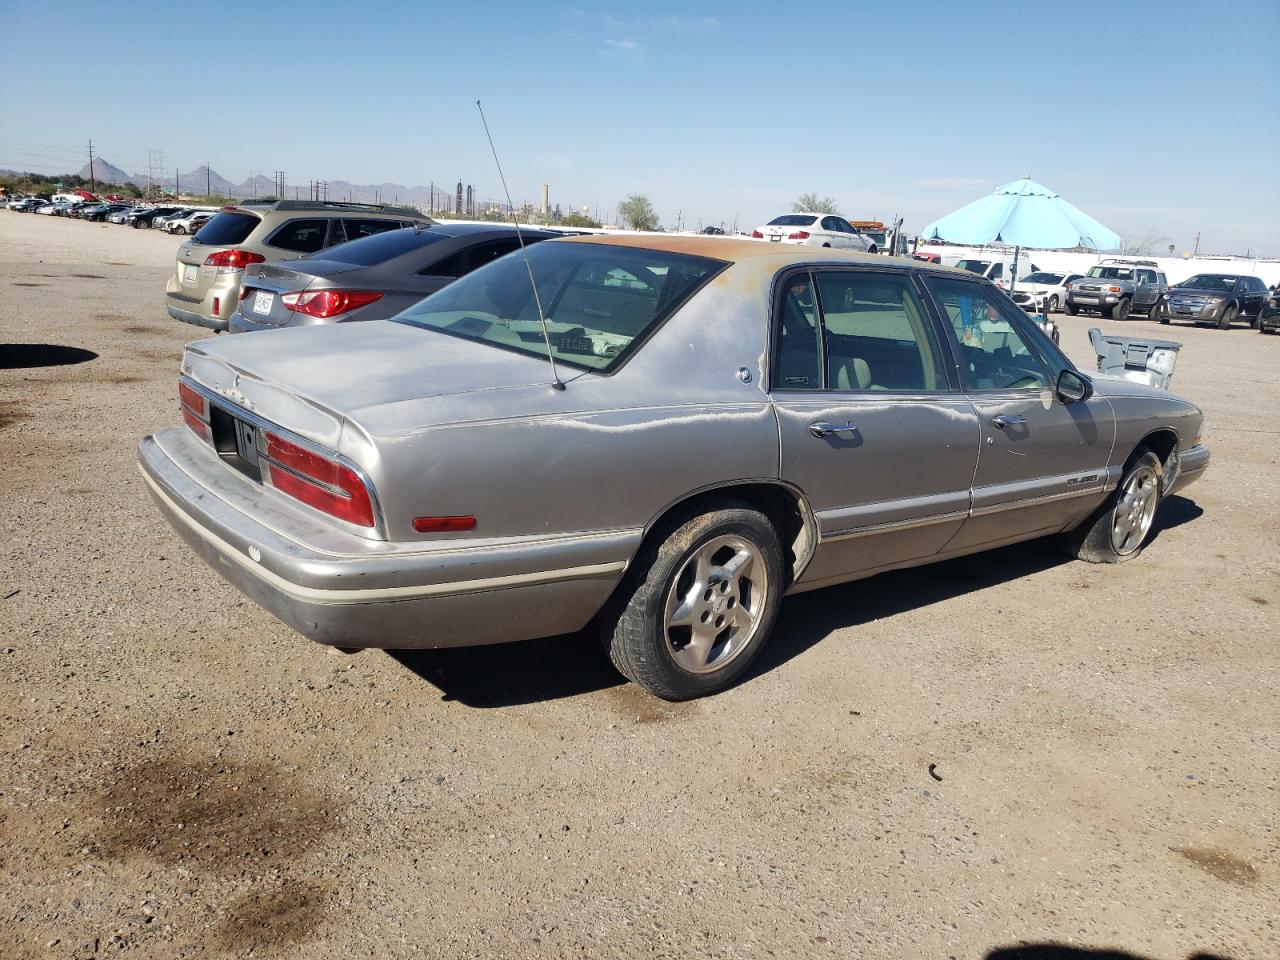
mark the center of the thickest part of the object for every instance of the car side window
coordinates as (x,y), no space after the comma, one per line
(485,252)
(1146,276)
(993,352)
(798,340)
(367,228)
(877,334)
(336,233)
(997,271)
(300,236)
(829,223)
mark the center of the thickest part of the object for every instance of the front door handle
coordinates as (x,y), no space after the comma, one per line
(1003,421)
(823,429)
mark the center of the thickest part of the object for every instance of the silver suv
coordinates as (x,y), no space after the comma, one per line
(1115,287)
(205,286)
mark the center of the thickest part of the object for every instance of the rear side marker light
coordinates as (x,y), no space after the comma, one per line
(217,306)
(317,481)
(328,303)
(799,235)
(443,524)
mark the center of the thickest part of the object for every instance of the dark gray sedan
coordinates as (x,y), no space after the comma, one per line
(371,278)
(725,422)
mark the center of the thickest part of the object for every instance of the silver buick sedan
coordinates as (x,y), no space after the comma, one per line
(658,436)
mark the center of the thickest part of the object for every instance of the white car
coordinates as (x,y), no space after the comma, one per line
(184,223)
(1043,292)
(814,230)
(997,269)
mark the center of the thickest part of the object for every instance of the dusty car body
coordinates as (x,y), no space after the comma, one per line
(753,440)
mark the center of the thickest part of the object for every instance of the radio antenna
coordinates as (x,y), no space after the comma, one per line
(556,382)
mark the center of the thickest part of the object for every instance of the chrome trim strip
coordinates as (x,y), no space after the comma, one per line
(379,520)
(894,525)
(321,595)
(1036,501)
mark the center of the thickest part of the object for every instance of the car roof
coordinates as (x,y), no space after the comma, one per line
(467,229)
(735,250)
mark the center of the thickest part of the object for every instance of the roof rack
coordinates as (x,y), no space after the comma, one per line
(1128,262)
(336,205)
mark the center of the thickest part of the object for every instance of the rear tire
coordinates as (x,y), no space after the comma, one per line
(698,603)
(1228,316)
(1118,530)
(140,224)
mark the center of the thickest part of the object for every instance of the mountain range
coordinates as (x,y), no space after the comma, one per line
(205,180)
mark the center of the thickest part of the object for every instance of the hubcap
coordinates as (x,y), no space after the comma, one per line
(714,606)
(1134,511)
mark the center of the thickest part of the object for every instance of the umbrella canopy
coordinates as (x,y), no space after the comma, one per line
(1022,214)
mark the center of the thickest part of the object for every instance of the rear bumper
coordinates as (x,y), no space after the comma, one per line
(341,590)
(199,319)
(1269,321)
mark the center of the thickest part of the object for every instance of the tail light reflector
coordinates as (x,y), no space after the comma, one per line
(799,235)
(228,260)
(443,524)
(317,481)
(198,426)
(328,303)
(757,234)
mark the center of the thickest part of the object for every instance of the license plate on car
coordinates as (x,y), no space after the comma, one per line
(190,272)
(246,442)
(263,301)
(776,238)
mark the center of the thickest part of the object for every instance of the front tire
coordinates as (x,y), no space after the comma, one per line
(1053,304)
(1228,316)
(1072,309)
(1121,310)
(180,231)
(698,603)
(1118,530)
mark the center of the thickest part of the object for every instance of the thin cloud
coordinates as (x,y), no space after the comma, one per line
(953,183)
(622,44)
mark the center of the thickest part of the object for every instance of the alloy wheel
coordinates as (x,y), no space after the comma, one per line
(715,603)
(1135,510)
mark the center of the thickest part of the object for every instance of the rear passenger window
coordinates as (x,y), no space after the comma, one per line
(368,228)
(300,236)
(798,349)
(877,335)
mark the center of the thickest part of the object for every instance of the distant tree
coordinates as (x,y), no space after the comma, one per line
(1150,241)
(578,220)
(812,203)
(131,189)
(638,212)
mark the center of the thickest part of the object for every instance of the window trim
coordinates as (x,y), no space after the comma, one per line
(947,355)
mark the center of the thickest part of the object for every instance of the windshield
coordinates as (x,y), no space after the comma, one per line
(1223,283)
(792,220)
(1111,273)
(973,266)
(600,300)
(1050,278)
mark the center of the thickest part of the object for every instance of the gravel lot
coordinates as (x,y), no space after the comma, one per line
(186,777)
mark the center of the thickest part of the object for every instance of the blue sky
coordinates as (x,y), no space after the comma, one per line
(1150,116)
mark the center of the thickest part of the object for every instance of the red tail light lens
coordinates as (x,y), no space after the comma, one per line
(443,524)
(317,481)
(233,259)
(198,426)
(799,235)
(328,303)
(757,234)
(193,400)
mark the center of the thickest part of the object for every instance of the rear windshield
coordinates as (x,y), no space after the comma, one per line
(227,229)
(382,247)
(792,220)
(973,266)
(1042,278)
(600,301)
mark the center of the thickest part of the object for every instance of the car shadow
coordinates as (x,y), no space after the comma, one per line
(1057,951)
(21,356)
(552,668)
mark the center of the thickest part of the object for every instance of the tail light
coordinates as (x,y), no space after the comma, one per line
(799,235)
(228,260)
(757,234)
(317,481)
(328,303)
(195,411)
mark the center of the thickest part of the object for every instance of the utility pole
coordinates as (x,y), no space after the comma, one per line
(1197,253)
(208,180)
(93,181)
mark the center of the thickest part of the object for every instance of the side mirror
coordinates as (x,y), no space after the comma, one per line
(1072,387)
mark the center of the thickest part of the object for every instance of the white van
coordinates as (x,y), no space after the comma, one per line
(68,198)
(997,269)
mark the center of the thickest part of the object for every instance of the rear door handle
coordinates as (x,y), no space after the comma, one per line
(1003,421)
(823,429)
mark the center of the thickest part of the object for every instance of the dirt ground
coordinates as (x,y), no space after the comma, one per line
(184,776)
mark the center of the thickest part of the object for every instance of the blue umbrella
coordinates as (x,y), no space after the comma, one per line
(1025,214)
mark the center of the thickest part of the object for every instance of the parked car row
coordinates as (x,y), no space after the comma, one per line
(505,458)
(174,219)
